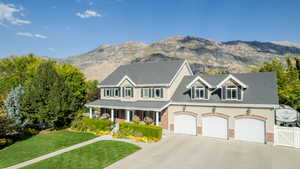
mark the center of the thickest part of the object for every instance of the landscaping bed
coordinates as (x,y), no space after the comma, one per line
(39,145)
(94,156)
(139,132)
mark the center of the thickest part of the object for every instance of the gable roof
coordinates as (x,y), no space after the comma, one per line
(145,74)
(198,78)
(261,89)
(230,76)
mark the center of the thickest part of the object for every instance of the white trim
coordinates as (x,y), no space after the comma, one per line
(208,95)
(201,79)
(154,85)
(227,105)
(230,76)
(126,78)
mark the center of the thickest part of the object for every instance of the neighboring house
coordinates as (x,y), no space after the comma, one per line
(234,106)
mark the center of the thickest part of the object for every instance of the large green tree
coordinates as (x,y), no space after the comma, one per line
(288,80)
(50,98)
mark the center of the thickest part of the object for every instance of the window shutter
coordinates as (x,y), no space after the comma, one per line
(142,92)
(193,92)
(123,92)
(239,93)
(131,91)
(206,92)
(152,95)
(224,92)
(104,92)
(161,92)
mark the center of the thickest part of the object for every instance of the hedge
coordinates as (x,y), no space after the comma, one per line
(95,125)
(145,130)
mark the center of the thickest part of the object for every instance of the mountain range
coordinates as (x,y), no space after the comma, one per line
(202,54)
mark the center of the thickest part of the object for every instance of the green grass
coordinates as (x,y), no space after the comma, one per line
(94,156)
(39,145)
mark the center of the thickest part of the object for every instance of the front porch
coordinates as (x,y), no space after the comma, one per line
(119,115)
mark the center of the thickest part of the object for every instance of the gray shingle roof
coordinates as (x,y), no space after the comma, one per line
(137,105)
(262,88)
(145,73)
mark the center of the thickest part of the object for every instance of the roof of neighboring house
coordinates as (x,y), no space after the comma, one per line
(137,105)
(261,89)
(157,73)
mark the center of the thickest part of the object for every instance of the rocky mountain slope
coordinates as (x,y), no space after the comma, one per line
(235,56)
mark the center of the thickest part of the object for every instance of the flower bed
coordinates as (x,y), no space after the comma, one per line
(95,126)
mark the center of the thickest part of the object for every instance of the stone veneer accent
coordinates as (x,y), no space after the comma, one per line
(172,127)
(231,133)
(186,112)
(199,130)
(251,116)
(164,119)
(270,137)
(216,114)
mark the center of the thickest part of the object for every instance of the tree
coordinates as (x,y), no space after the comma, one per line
(12,106)
(92,90)
(288,81)
(51,97)
(15,71)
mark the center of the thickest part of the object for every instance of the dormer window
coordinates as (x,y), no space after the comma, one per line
(199,92)
(232,92)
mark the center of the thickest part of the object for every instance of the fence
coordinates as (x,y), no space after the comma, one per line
(287,136)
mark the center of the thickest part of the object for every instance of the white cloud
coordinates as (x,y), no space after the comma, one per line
(31,35)
(11,14)
(40,36)
(88,14)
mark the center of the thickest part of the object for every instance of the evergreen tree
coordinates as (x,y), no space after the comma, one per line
(12,106)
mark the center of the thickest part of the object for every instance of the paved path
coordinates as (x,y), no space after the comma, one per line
(198,152)
(46,156)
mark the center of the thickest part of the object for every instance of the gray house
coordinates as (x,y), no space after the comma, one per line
(233,106)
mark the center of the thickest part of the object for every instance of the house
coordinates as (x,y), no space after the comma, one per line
(232,106)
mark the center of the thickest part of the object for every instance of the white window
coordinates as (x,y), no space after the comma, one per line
(199,92)
(146,92)
(231,93)
(128,92)
(107,92)
(152,92)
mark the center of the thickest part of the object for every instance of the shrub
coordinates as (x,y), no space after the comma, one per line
(141,130)
(148,120)
(93,125)
(136,119)
(105,116)
(5,142)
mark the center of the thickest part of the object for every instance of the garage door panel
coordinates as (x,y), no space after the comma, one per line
(214,126)
(185,124)
(249,129)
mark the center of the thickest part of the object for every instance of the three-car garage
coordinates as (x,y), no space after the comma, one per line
(217,126)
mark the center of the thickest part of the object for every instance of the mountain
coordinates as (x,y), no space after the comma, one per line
(235,56)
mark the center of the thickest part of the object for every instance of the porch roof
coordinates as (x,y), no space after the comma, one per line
(130,105)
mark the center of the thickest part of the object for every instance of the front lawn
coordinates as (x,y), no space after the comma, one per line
(39,145)
(94,156)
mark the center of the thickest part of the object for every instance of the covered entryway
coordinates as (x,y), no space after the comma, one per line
(185,124)
(250,129)
(215,126)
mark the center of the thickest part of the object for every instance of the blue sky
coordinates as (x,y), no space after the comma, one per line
(61,28)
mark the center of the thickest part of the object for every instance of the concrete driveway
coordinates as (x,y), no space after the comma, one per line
(198,152)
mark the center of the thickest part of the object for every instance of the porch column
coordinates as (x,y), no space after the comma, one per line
(157,118)
(112,115)
(91,112)
(127,116)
